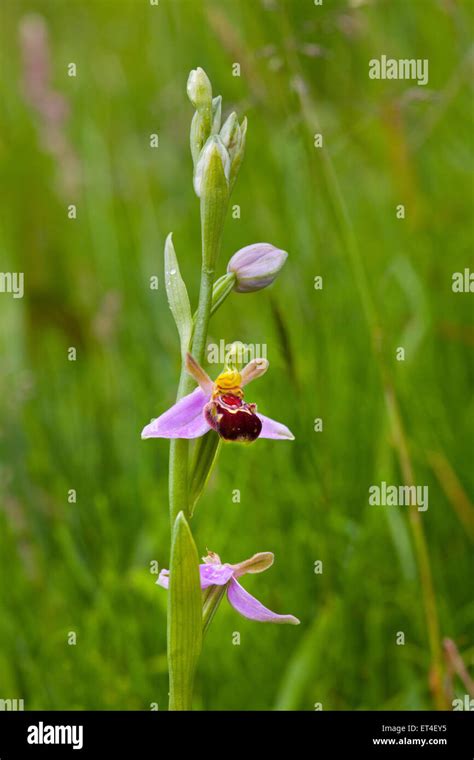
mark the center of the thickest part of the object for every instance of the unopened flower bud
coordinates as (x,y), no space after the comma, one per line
(216,114)
(238,151)
(256,266)
(230,133)
(213,151)
(197,136)
(199,89)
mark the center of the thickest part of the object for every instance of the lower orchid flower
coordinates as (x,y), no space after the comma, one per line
(219,406)
(213,573)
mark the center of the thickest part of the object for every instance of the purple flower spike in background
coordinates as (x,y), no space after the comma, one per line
(213,573)
(219,406)
(256,266)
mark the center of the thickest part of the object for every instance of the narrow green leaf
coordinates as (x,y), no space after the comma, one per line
(185,615)
(177,295)
(204,458)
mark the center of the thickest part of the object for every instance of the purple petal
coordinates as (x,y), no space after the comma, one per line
(211,575)
(273,429)
(215,575)
(251,608)
(164,579)
(183,420)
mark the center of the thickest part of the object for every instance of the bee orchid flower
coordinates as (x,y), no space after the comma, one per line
(213,573)
(218,406)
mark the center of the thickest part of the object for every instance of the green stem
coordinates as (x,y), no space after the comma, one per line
(221,289)
(214,202)
(179,448)
(178,478)
(203,314)
(178,463)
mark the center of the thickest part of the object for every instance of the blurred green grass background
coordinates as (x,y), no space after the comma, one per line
(84,567)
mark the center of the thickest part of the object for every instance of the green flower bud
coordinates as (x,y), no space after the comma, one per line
(230,134)
(199,89)
(216,114)
(238,153)
(197,136)
(213,151)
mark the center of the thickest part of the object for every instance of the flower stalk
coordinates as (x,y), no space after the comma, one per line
(214,197)
(215,410)
(214,203)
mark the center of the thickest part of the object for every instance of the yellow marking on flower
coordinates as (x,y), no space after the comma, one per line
(229,382)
